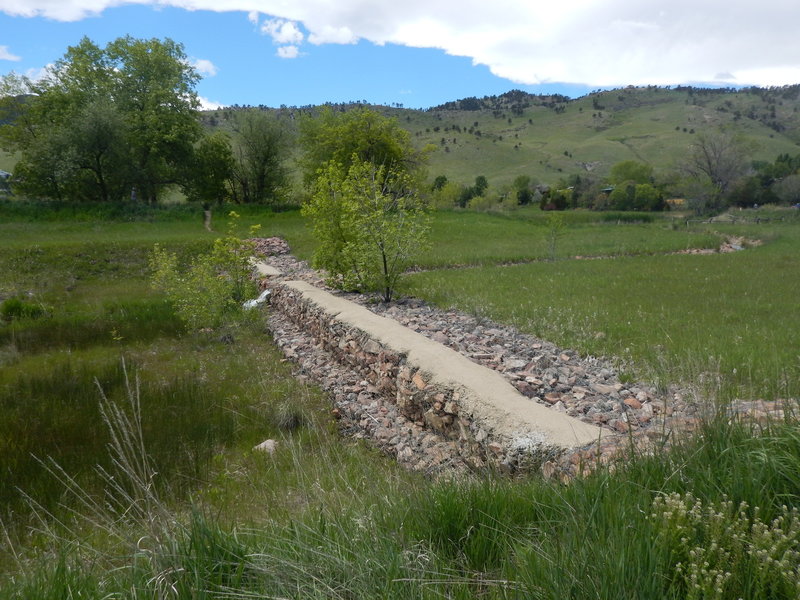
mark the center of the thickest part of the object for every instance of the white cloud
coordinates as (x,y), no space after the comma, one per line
(595,42)
(40,73)
(329,34)
(204,67)
(5,54)
(288,52)
(283,32)
(206,104)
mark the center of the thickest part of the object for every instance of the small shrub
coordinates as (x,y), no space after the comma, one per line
(210,292)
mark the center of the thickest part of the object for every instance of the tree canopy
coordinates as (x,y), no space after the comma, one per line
(358,135)
(369,222)
(103,122)
(631,170)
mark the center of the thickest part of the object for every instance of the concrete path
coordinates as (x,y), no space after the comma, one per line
(484,393)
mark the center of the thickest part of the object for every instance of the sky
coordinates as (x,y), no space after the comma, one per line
(421,53)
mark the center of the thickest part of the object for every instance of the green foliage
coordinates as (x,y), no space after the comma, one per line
(556,199)
(356,136)
(447,196)
(210,292)
(630,195)
(481,184)
(439,183)
(722,551)
(631,170)
(19,308)
(210,170)
(369,223)
(103,121)
(260,146)
(522,189)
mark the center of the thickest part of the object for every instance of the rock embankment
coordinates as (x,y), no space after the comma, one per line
(586,388)
(434,387)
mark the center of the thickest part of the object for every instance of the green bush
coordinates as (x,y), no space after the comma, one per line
(19,308)
(210,292)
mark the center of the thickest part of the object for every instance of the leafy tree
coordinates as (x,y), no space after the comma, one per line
(439,182)
(555,199)
(788,189)
(210,170)
(447,196)
(104,120)
(630,195)
(631,170)
(97,138)
(465,194)
(522,189)
(717,160)
(356,136)
(153,86)
(369,223)
(260,147)
(481,184)
(623,196)
(365,210)
(649,197)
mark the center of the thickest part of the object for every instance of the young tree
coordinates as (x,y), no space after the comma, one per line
(369,222)
(481,185)
(522,189)
(365,211)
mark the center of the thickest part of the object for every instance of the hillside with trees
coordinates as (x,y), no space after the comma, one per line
(708,147)
(513,146)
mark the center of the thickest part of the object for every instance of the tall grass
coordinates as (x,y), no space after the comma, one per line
(726,322)
(152,489)
(612,535)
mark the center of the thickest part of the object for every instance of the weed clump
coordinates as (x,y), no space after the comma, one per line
(723,550)
(16,308)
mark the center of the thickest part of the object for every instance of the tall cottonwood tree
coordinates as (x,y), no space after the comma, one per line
(717,160)
(103,121)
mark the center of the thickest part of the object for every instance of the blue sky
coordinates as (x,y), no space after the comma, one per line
(421,53)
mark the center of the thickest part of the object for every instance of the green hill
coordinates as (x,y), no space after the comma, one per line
(548,137)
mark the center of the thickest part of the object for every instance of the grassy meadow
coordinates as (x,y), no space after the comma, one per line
(126,461)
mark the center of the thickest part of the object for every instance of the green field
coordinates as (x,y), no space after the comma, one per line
(206,517)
